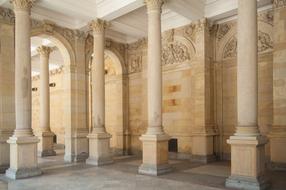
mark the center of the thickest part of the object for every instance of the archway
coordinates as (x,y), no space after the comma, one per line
(61,97)
(115,100)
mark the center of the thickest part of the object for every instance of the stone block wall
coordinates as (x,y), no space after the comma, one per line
(7,88)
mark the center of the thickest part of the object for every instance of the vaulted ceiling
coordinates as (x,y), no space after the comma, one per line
(128,17)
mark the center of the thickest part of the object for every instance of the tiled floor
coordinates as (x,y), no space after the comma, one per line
(59,175)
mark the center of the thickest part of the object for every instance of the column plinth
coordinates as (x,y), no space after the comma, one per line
(155,141)
(99,139)
(247,144)
(46,144)
(23,144)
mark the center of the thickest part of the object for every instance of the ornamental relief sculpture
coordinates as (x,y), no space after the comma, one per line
(175,52)
(135,63)
(265,43)
(7,15)
(279,3)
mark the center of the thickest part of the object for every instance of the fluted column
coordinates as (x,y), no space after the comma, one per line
(45,147)
(23,144)
(155,141)
(247,144)
(99,145)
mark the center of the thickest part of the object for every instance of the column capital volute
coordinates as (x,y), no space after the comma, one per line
(154,5)
(98,25)
(23,4)
(44,50)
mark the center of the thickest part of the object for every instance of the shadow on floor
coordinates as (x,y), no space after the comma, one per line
(123,174)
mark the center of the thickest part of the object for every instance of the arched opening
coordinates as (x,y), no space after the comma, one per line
(60,61)
(114,100)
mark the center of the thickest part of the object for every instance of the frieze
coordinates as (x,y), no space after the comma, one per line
(265,44)
(223,29)
(266,17)
(7,15)
(137,45)
(52,73)
(135,63)
(279,3)
(175,52)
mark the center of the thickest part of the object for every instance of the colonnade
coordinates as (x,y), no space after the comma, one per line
(247,144)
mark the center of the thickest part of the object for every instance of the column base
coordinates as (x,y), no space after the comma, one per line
(154,170)
(155,155)
(99,149)
(46,153)
(23,173)
(23,157)
(249,183)
(46,144)
(4,150)
(247,163)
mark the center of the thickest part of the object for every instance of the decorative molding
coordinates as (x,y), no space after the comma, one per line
(52,73)
(230,49)
(98,25)
(266,17)
(279,3)
(223,29)
(7,15)
(265,44)
(175,52)
(140,44)
(191,31)
(44,50)
(135,63)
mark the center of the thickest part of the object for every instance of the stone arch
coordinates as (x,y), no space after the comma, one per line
(227,46)
(120,78)
(67,51)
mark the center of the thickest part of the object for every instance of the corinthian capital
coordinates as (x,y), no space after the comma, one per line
(44,50)
(154,5)
(23,4)
(98,25)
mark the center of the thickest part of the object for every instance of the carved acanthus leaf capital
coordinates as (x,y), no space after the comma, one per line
(98,25)
(279,3)
(23,4)
(154,5)
(44,50)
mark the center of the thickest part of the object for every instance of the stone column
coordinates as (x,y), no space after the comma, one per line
(155,141)
(23,144)
(99,139)
(247,144)
(278,131)
(46,145)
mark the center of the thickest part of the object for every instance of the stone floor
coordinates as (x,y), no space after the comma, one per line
(59,175)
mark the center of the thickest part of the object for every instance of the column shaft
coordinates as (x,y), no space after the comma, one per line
(23,144)
(247,72)
(154,72)
(155,141)
(46,145)
(99,140)
(247,145)
(98,82)
(23,96)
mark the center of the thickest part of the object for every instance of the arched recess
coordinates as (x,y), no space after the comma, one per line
(225,74)
(116,98)
(69,58)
